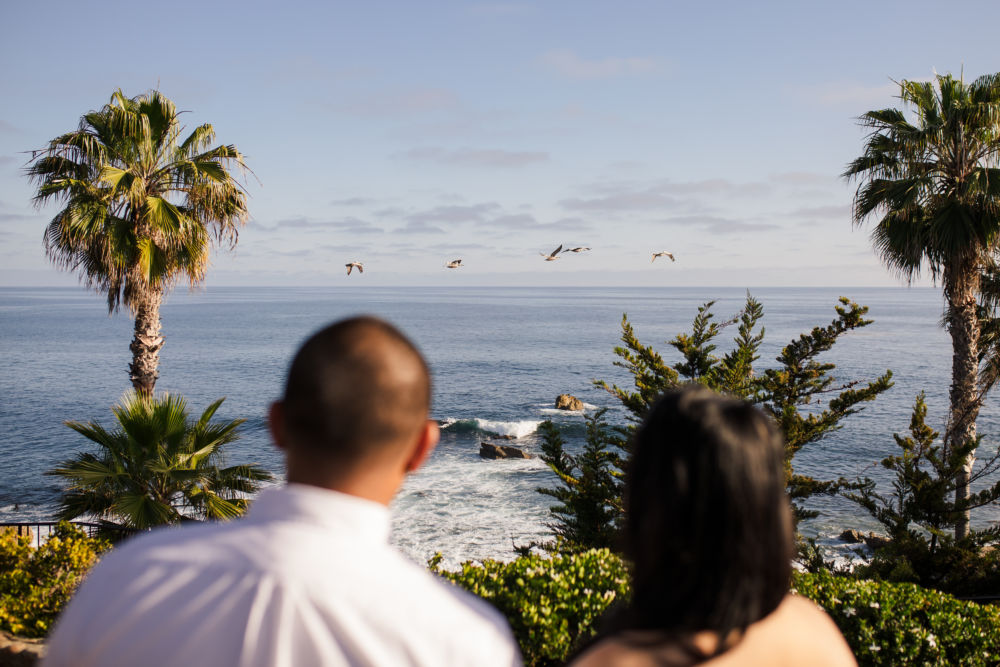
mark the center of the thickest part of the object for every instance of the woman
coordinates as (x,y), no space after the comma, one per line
(709,534)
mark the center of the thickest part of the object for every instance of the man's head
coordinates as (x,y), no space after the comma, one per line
(354,412)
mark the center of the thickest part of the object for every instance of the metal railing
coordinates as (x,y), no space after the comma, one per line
(41,531)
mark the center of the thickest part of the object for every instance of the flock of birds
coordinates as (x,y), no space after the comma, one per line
(549,257)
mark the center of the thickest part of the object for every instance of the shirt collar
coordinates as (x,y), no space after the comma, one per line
(326,508)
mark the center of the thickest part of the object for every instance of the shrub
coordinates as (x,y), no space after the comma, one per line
(554,603)
(35,584)
(551,602)
(903,624)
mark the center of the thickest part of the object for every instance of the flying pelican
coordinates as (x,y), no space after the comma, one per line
(353,265)
(454,264)
(580,249)
(551,257)
(661,254)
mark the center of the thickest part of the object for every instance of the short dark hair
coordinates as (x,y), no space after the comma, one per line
(708,523)
(354,387)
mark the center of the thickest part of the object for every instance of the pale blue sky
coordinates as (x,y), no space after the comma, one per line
(407,134)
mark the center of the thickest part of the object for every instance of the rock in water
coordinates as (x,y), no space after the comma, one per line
(852,536)
(567,402)
(490,451)
(514,452)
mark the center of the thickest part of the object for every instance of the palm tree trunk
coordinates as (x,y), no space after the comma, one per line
(146,342)
(961,289)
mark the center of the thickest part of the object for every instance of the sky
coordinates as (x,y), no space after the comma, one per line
(405,135)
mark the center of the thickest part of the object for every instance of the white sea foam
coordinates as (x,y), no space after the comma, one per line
(514,429)
(547,409)
(518,429)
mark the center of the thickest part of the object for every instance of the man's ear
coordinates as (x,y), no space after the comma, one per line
(428,439)
(276,424)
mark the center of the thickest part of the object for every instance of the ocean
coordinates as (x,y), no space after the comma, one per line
(499,356)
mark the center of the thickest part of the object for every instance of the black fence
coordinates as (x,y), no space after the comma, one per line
(40,531)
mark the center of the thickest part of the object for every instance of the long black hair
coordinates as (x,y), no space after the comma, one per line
(708,525)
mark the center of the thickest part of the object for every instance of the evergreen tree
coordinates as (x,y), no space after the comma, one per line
(790,393)
(919,511)
(590,495)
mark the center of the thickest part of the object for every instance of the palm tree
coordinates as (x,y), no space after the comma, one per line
(141,206)
(156,467)
(931,185)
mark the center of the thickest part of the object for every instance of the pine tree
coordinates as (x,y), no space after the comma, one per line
(789,393)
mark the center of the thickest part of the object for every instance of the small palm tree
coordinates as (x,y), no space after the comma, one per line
(931,184)
(141,205)
(157,466)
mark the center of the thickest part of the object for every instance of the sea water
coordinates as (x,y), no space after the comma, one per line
(500,356)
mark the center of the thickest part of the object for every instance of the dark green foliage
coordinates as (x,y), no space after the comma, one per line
(157,466)
(800,381)
(790,393)
(553,603)
(35,584)
(920,509)
(590,494)
(903,624)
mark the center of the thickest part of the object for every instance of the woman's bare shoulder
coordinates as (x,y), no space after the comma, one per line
(798,632)
(802,629)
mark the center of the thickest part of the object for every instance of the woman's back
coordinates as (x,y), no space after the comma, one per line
(796,633)
(709,534)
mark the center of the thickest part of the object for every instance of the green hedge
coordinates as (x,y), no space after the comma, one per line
(35,584)
(903,624)
(552,603)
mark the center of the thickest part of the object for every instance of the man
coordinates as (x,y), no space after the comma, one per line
(308,576)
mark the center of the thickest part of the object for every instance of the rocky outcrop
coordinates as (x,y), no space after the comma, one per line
(852,536)
(872,540)
(20,652)
(567,402)
(488,450)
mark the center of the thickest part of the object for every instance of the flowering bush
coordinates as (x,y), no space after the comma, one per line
(554,603)
(903,624)
(551,602)
(35,584)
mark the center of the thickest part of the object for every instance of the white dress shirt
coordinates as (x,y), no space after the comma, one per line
(306,578)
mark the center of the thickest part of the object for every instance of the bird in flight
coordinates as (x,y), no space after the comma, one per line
(579,249)
(551,257)
(661,254)
(454,264)
(354,265)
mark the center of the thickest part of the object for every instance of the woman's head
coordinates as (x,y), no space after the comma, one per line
(708,522)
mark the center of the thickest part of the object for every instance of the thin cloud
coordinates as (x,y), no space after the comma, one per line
(524,222)
(716,225)
(803,178)
(457,247)
(399,103)
(352,225)
(468,157)
(642,200)
(353,201)
(457,214)
(827,212)
(568,64)
(7,127)
(419,227)
(619,197)
(15,217)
